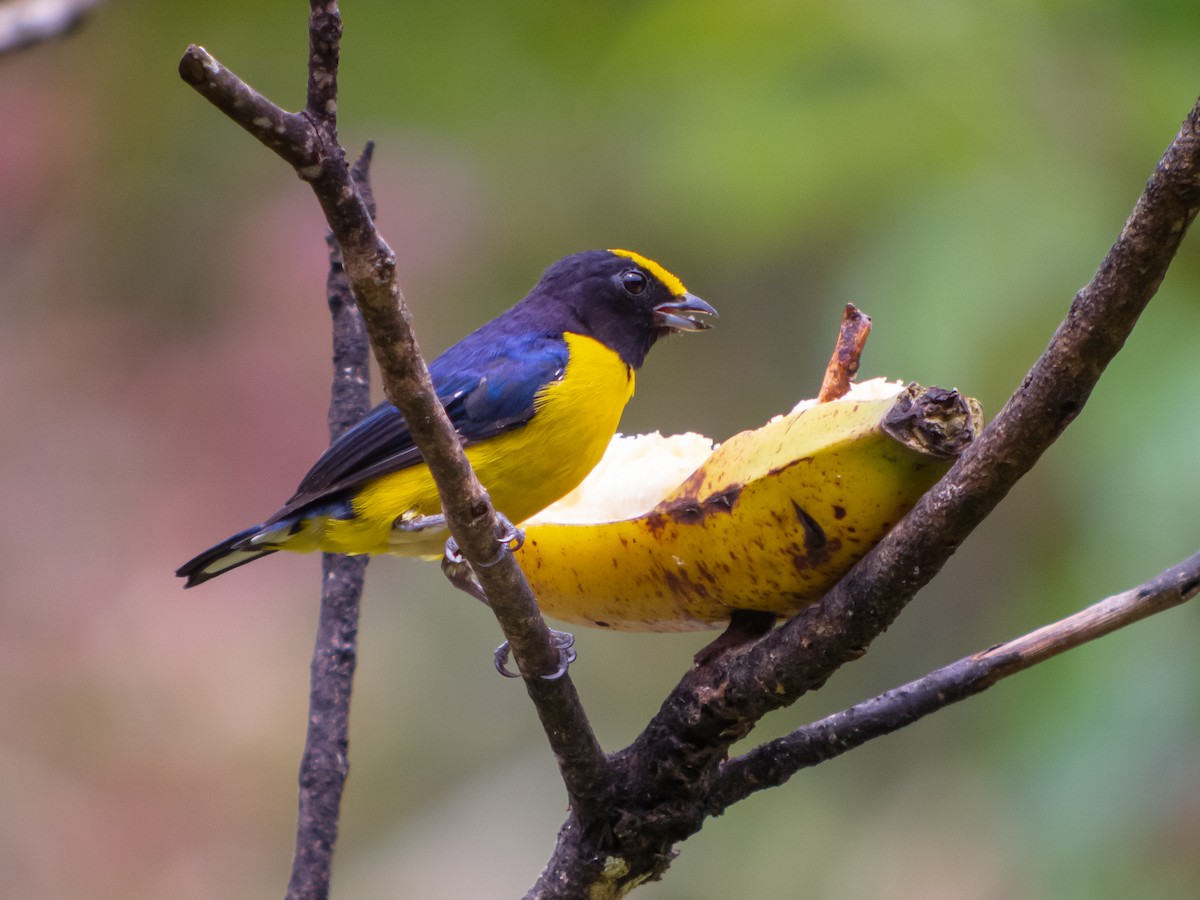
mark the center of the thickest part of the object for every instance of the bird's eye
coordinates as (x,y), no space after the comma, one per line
(634,282)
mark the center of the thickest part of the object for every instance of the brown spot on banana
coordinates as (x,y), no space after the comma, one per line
(814,534)
(690,511)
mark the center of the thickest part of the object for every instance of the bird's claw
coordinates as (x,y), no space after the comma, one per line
(562,641)
(510,538)
(500,660)
(510,535)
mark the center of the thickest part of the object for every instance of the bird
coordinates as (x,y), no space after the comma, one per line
(535,395)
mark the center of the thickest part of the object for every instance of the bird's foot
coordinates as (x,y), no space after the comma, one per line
(508,536)
(563,642)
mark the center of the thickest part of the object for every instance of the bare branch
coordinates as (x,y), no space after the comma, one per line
(371,266)
(24,23)
(775,762)
(326,763)
(291,135)
(324,49)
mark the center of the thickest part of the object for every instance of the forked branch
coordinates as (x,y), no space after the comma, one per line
(629,812)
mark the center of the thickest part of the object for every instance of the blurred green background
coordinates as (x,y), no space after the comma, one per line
(958,170)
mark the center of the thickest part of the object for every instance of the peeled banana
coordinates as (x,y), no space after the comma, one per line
(767,521)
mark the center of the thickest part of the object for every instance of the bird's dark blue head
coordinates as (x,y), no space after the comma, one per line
(620,298)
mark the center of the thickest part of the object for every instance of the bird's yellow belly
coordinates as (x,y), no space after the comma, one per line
(524,470)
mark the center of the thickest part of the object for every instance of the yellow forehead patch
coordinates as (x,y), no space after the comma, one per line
(674,285)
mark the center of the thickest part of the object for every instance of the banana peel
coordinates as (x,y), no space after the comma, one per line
(768,521)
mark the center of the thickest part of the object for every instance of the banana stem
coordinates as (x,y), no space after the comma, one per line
(847,354)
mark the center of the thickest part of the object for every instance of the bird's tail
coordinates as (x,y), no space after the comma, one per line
(229,554)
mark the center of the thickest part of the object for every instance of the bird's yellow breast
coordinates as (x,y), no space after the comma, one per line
(524,469)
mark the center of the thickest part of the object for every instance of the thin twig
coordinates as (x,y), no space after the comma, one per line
(291,135)
(324,50)
(775,762)
(326,763)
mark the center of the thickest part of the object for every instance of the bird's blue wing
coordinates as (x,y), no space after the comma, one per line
(487,384)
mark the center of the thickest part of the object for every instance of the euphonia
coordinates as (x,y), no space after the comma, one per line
(535,394)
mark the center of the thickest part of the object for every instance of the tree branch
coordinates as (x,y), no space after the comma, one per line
(775,762)
(325,764)
(309,143)
(291,135)
(324,53)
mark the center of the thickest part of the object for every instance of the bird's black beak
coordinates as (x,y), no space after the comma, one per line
(667,315)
